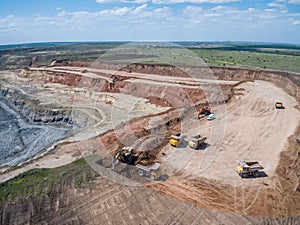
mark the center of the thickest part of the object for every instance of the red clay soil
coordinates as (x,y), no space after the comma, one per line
(68,79)
(164,70)
(159,101)
(125,134)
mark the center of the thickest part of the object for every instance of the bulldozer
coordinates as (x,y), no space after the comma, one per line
(204,111)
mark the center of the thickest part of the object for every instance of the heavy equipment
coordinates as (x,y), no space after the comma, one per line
(175,140)
(211,116)
(204,111)
(246,169)
(124,155)
(197,141)
(279,105)
(153,171)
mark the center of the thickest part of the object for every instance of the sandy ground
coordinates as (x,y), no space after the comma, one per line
(250,129)
(247,128)
(192,79)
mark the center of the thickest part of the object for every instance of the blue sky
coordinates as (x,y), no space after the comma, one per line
(142,20)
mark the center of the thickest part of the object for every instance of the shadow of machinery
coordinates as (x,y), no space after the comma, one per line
(128,170)
(163,177)
(262,174)
(183,143)
(203,146)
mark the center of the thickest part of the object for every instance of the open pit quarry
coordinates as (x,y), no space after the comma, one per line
(54,115)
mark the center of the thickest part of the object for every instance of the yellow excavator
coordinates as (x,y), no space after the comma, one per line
(125,155)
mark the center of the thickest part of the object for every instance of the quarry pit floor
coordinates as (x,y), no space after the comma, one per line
(247,127)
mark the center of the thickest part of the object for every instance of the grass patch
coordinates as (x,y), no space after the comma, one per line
(280,61)
(39,182)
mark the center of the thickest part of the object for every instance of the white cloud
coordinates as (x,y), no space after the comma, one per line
(10,23)
(273,4)
(168,1)
(118,15)
(277,5)
(77,14)
(62,13)
(44,20)
(140,8)
(287,1)
(193,12)
(125,1)
(294,15)
(162,10)
(270,10)
(219,7)
(294,1)
(120,11)
(192,1)
(234,17)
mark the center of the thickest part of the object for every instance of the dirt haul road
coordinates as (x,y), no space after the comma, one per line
(255,131)
(250,129)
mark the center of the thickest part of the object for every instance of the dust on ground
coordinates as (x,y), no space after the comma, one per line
(248,127)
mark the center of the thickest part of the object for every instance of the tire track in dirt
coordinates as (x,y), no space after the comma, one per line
(240,195)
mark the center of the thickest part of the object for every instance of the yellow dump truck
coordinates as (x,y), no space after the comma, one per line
(175,140)
(279,105)
(246,169)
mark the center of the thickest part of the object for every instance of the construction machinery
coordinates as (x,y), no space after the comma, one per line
(175,140)
(124,155)
(197,141)
(279,105)
(204,111)
(246,169)
(153,171)
(211,116)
